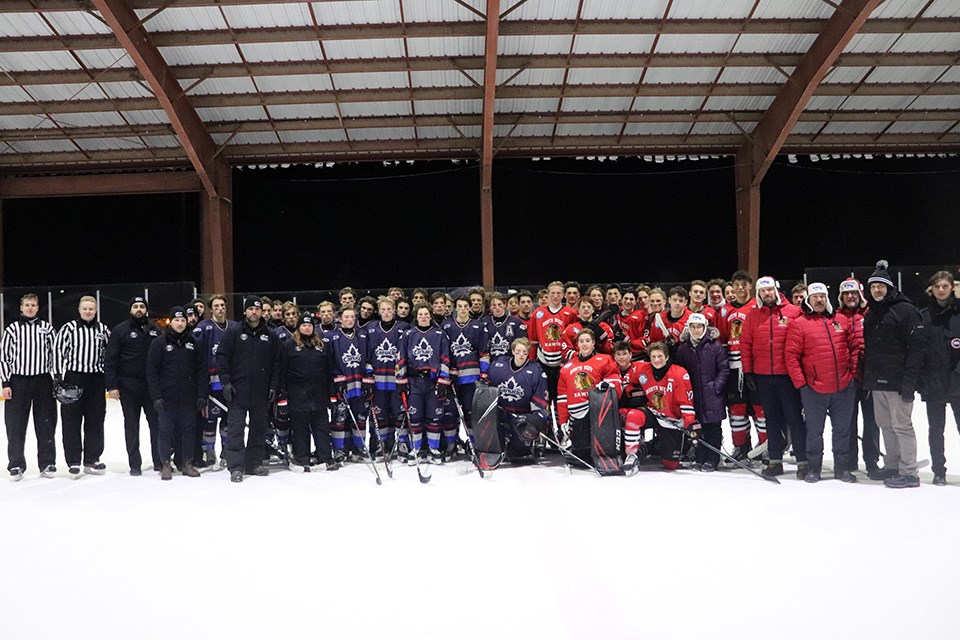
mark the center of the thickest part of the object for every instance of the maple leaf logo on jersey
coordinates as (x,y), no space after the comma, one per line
(461,346)
(386,352)
(511,390)
(423,351)
(499,345)
(351,358)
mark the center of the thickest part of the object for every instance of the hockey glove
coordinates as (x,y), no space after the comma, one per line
(367,388)
(907,394)
(750,382)
(442,391)
(603,385)
(403,387)
(158,406)
(283,410)
(202,405)
(340,384)
(228,392)
(693,431)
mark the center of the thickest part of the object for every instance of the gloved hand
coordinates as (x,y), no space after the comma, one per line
(340,384)
(750,382)
(158,406)
(693,431)
(441,390)
(57,380)
(228,392)
(367,388)
(283,410)
(201,404)
(272,395)
(403,387)
(603,385)
(907,393)
(484,377)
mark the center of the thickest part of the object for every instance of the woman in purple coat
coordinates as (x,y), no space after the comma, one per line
(705,360)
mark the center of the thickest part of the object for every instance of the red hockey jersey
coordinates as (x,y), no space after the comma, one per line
(569,337)
(545,331)
(666,329)
(577,377)
(671,397)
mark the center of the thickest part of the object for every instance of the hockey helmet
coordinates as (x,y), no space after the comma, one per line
(67,393)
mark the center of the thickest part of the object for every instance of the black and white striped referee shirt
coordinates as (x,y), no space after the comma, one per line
(26,348)
(79,347)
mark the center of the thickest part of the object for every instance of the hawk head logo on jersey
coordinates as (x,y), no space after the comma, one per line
(783,320)
(423,351)
(461,346)
(351,357)
(656,401)
(736,326)
(837,327)
(511,390)
(581,381)
(552,332)
(499,345)
(386,352)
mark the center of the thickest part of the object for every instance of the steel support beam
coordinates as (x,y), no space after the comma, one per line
(111,184)
(768,137)
(191,133)
(486,166)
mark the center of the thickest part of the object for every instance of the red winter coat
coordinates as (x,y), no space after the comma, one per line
(856,323)
(822,351)
(763,338)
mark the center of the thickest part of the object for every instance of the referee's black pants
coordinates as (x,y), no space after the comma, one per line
(135,398)
(37,392)
(83,419)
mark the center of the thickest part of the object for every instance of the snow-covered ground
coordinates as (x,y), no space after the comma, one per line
(532,553)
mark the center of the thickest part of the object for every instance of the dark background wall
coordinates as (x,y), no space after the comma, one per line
(372,226)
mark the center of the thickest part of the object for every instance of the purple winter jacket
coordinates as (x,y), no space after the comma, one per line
(708,368)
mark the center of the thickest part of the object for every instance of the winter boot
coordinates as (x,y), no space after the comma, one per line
(190,471)
(842,470)
(772,470)
(902,482)
(940,479)
(802,468)
(236,475)
(166,473)
(882,474)
(814,466)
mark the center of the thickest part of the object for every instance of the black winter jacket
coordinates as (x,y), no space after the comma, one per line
(940,376)
(125,359)
(305,379)
(176,370)
(247,359)
(894,343)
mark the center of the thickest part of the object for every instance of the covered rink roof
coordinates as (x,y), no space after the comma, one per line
(340,80)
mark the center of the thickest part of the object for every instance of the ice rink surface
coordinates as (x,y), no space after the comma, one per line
(531,553)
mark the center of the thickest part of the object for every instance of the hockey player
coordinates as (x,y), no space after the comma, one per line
(276,314)
(423,374)
(26,362)
(705,360)
(246,364)
(698,302)
(669,407)
(208,335)
(395,294)
(125,376)
(200,307)
(586,370)
(418,297)
(327,316)
(192,318)
(502,328)
(525,300)
(79,348)
(368,312)
(545,332)
(513,304)
(715,296)
(478,307)
(522,402)
(668,325)
(571,294)
(586,320)
(403,310)
(348,297)
(632,397)
(305,382)
(177,380)
(348,354)
(291,314)
(595,293)
(469,361)
(383,354)
(740,398)
(438,308)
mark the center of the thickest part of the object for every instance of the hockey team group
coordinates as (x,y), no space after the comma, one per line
(607,378)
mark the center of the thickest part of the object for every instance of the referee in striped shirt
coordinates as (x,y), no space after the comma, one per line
(79,349)
(26,362)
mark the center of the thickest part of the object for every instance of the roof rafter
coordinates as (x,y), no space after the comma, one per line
(191,132)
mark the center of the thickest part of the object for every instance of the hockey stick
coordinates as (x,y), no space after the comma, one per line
(365,448)
(722,454)
(556,434)
(424,479)
(463,425)
(386,454)
(566,453)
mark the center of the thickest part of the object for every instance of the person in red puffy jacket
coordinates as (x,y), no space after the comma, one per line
(821,355)
(765,372)
(853,304)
